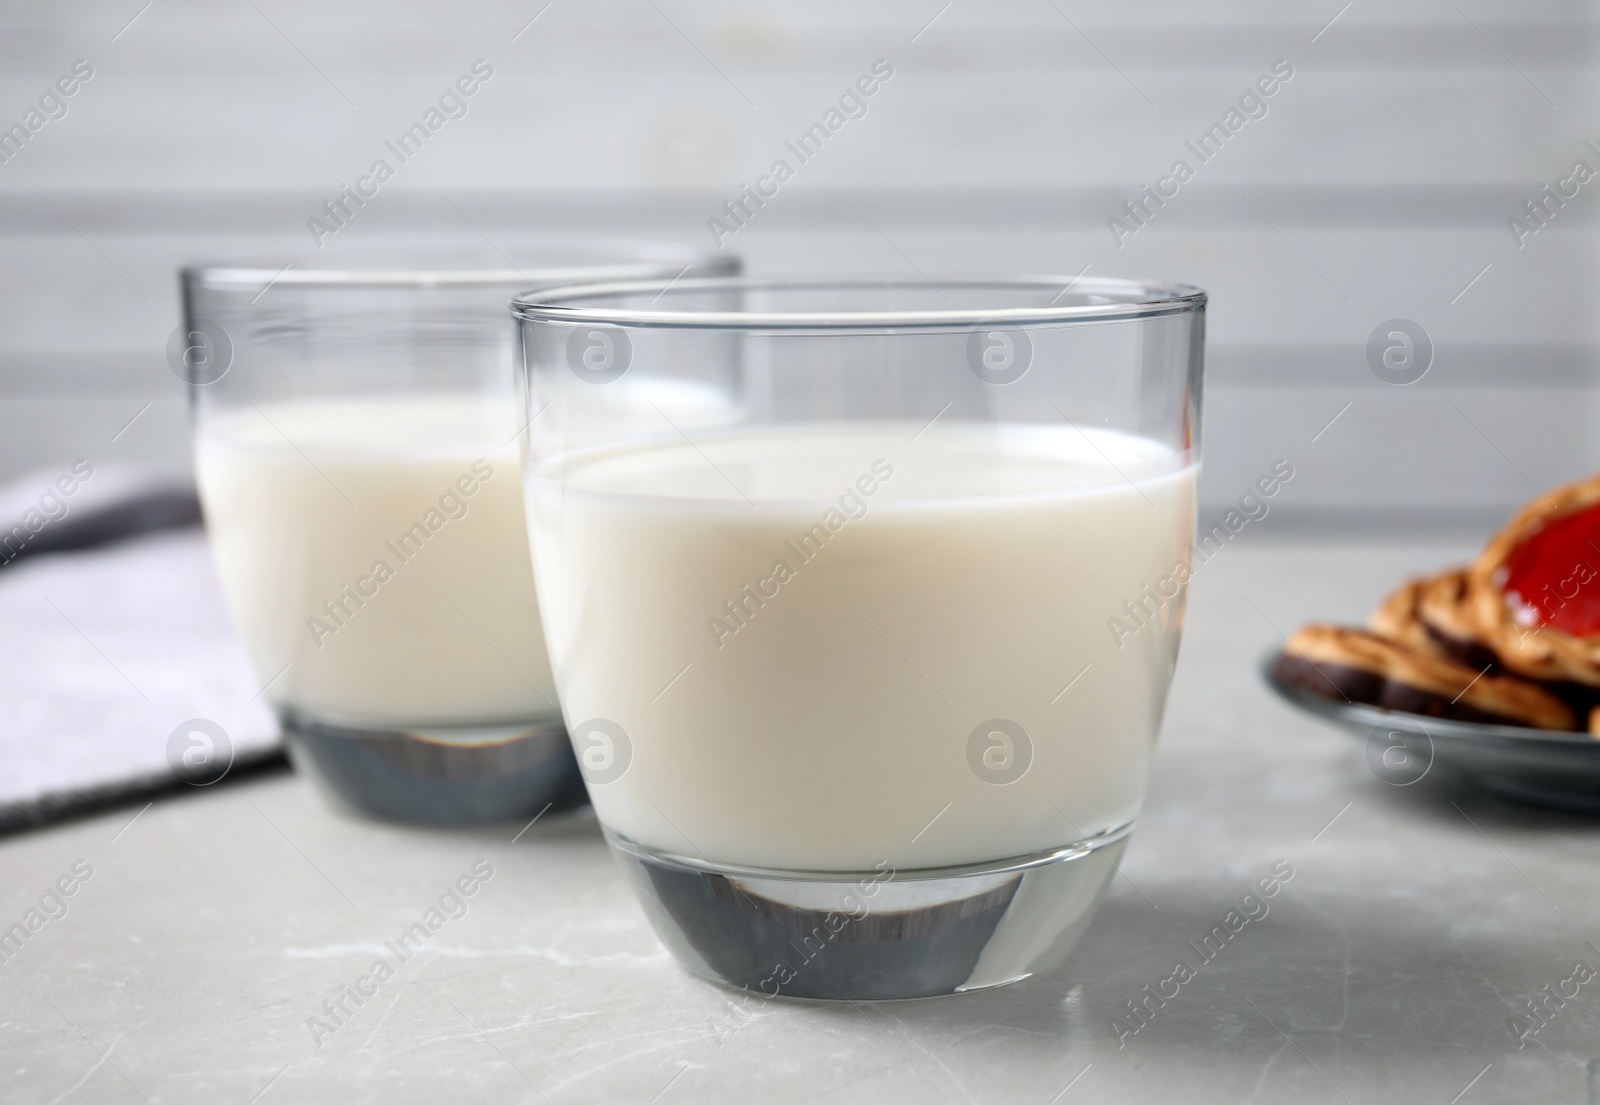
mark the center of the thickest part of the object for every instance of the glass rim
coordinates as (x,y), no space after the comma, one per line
(643,260)
(1127,300)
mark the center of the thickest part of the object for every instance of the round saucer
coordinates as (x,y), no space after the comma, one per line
(1534,766)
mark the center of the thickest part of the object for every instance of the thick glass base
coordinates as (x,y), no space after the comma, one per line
(456,775)
(873,935)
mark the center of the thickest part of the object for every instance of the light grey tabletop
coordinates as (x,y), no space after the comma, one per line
(1416,923)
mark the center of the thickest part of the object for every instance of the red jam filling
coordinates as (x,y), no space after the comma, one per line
(1553,577)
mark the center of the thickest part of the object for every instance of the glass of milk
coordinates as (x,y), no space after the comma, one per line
(356,424)
(863,618)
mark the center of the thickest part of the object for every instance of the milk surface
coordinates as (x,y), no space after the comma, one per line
(374,552)
(821,644)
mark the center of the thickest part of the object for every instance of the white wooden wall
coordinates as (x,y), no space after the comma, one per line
(1377,186)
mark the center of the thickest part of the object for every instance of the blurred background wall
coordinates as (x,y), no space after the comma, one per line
(1377,184)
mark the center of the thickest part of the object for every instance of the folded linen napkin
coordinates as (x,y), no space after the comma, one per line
(120,674)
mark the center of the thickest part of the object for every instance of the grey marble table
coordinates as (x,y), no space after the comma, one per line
(195,961)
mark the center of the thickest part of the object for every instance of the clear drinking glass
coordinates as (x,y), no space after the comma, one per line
(356,428)
(862,597)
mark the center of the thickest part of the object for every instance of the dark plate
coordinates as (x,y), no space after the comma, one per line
(1535,766)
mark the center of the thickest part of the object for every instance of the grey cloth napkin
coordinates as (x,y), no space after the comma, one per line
(120,674)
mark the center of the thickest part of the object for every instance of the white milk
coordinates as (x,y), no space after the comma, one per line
(375,552)
(809,704)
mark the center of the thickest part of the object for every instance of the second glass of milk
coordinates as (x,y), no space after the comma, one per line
(357,424)
(863,631)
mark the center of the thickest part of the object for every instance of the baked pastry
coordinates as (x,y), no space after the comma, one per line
(1397,618)
(1435,614)
(1357,665)
(1535,589)
(1514,639)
